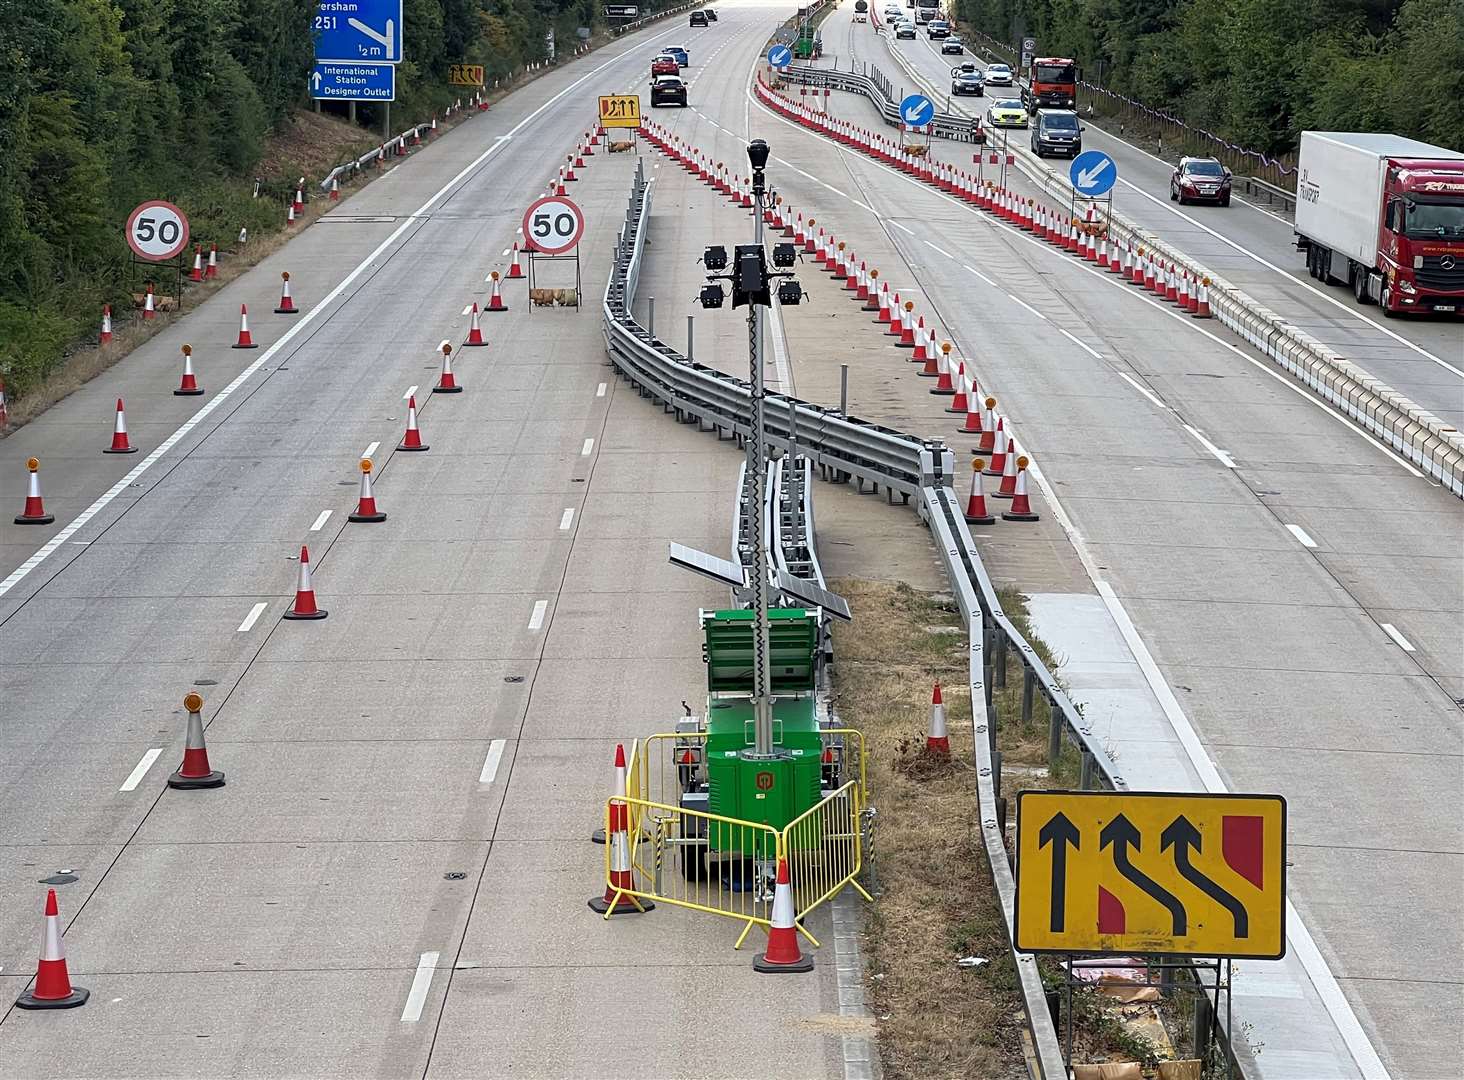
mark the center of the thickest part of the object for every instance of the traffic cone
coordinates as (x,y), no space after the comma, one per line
(937,741)
(882,314)
(149,306)
(245,341)
(446,384)
(287,302)
(568,172)
(335,188)
(195,772)
(871,299)
(783,956)
(598,836)
(188,386)
(976,513)
(924,353)
(211,271)
(52,988)
(1182,293)
(475,332)
(304,606)
(196,274)
(1201,309)
(120,445)
(412,440)
(289,215)
(987,444)
(959,403)
(299,204)
(620,878)
(1021,508)
(973,425)
(997,465)
(106,324)
(495,299)
(514,269)
(907,327)
(1136,275)
(35,510)
(944,385)
(366,510)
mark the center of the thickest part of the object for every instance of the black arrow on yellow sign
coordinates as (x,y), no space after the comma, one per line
(1121,834)
(1059,832)
(1181,835)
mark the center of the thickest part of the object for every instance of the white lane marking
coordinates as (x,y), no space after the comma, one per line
(536,620)
(587,447)
(254,613)
(978,273)
(600,390)
(411,390)
(1392,632)
(939,250)
(68,531)
(490,763)
(1141,388)
(1018,300)
(421,983)
(903,228)
(320,521)
(780,349)
(371,449)
(1080,343)
(1300,533)
(505,255)
(1225,458)
(468,308)
(135,776)
(565,519)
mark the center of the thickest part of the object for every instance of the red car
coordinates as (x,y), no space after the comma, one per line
(665,64)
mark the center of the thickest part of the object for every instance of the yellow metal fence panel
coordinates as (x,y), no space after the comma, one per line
(825,849)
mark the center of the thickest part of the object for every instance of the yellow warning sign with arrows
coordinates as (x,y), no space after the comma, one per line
(1158,873)
(620,111)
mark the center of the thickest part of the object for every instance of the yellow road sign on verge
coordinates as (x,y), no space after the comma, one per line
(465,74)
(620,110)
(1130,872)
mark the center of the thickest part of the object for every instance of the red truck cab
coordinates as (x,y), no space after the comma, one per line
(1054,84)
(1421,237)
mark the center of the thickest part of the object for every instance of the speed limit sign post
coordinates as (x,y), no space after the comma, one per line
(552,228)
(157,233)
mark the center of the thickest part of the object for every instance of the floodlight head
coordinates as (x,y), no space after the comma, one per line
(757,153)
(715,257)
(711,296)
(784,255)
(790,293)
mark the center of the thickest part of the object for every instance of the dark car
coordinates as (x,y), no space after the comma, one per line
(1057,131)
(698,18)
(1200,179)
(953,45)
(967,79)
(711,13)
(668,90)
(937,28)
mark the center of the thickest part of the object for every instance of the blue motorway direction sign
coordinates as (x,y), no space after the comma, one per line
(917,110)
(1093,173)
(359,31)
(780,56)
(330,81)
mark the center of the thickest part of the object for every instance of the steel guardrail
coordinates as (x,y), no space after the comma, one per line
(842,447)
(877,89)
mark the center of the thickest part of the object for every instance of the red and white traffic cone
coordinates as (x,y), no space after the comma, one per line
(1136,271)
(1021,508)
(195,772)
(289,215)
(783,955)
(211,271)
(1182,293)
(938,741)
(959,403)
(149,305)
(106,336)
(923,352)
(495,298)
(568,172)
(973,425)
(1201,309)
(997,465)
(475,332)
(35,509)
(304,606)
(559,183)
(1008,486)
(976,512)
(446,383)
(52,988)
(514,269)
(598,836)
(245,340)
(412,440)
(619,878)
(907,327)
(884,311)
(287,302)
(120,445)
(335,188)
(944,385)
(366,511)
(871,299)
(196,274)
(987,443)
(188,385)
(299,204)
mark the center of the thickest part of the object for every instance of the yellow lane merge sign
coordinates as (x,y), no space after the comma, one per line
(1123,872)
(620,110)
(465,74)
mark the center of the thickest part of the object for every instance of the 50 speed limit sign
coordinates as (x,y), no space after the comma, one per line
(553,225)
(157,231)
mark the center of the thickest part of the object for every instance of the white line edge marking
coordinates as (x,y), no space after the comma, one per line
(587,447)
(421,983)
(896,224)
(101,502)
(135,776)
(1225,459)
(536,620)
(490,762)
(939,250)
(566,519)
(320,521)
(1392,632)
(469,308)
(1018,300)
(1141,388)
(411,391)
(600,390)
(978,273)
(1301,535)
(371,449)
(1080,343)
(254,613)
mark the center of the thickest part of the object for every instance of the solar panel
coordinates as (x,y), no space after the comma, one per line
(699,562)
(814,595)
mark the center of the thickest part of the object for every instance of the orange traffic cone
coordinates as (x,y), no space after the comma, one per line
(412,440)
(245,340)
(188,387)
(287,302)
(120,445)
(937,741)
(514,269)
(106,324)
(35,509)
(1021,508)
(366,510)
(195,772)
(304,607)
(52,988)
(619,877)
(446,384)
(976,513)
(475,332)
(783,956)
(495,298)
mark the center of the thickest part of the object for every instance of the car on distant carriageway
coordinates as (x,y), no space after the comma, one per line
(665,64)
(998,75)
(966,79)
(905,29)
(953,45)
(1008,112)
(668,90)
(1200,179)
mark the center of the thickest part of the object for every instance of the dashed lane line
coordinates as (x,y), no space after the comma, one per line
(253,617)
(135,776)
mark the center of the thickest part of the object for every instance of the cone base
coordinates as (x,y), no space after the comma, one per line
(318,613)
(1007,515)
(366,517)
(120,450)
(195,392)
(511,276)
(419,446)
(474,344)
(946,393)
(598,836)
(447,389)
(78,996)
(1001,494)
(188,783)
(623,906)
(34,519)
(503,307)
(958,412)
(767,967)
(287,310)
(251,345)
(983,519)
(988,471)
